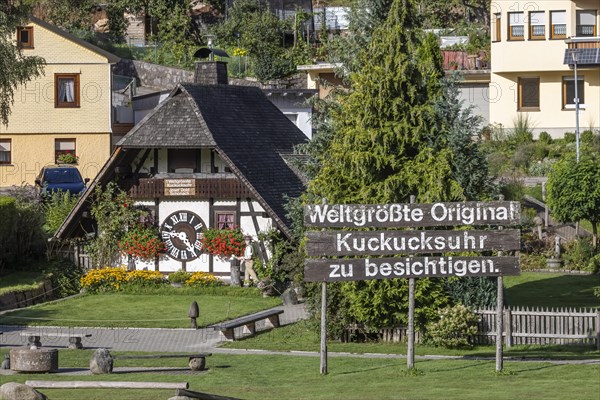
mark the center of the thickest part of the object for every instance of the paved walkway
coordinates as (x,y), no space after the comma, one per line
(137,339)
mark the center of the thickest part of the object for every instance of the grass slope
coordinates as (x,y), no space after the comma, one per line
(166,308)
(537,289)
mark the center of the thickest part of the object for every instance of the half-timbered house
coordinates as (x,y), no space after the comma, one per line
(211,155)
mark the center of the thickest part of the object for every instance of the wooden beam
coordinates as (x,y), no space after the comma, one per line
(202,396)
(105,385)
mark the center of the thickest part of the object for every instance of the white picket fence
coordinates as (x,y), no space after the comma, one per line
(525,325)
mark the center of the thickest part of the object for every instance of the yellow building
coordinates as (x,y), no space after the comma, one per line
(532,67)
(67,110)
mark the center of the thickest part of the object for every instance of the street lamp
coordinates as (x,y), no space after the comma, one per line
(574,55)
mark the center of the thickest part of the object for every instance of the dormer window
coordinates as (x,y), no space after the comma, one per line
(25,37)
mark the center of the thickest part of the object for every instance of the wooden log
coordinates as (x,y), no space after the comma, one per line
(202,396)
(105,385)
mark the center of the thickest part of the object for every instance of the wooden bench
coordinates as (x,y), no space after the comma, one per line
(248,322)
(197,362)
(34,339)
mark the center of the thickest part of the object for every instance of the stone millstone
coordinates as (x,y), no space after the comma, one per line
(101,362)
(17,391)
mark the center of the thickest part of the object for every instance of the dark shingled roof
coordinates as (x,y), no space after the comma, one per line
(244,127)
(174,123)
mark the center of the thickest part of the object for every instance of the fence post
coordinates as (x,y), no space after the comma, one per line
(598,329)
(508,326)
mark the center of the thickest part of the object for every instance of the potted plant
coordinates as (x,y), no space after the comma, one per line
(142,242)
(224,243)
(67,158)
(179,278)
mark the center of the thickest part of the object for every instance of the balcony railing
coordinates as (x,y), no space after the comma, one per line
(204,188)
(559,30)
(585,30)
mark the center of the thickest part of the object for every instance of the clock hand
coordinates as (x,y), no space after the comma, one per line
(183,237)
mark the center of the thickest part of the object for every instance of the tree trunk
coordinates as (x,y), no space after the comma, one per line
(595,235)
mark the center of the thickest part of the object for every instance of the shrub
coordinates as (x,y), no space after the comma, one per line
(179,276)
(541,168)
(545,137)
(587,136)
(570,137)
(65,276)
(497,163)
(523,155)
(473,291)
(580,255)
(144,278)
(203,279)
(454,329)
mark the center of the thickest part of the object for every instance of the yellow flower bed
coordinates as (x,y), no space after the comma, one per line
(203,279)
(113,279)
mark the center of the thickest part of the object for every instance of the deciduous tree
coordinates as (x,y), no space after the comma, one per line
(16,68)
(574,191)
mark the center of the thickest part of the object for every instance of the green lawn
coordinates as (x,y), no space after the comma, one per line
(165,308)
(302,337)
(295,377)
(538,289)
(18,281)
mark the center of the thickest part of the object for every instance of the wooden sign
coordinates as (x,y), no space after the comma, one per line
(391,242)
(336,270)
(471,213)
(180,187)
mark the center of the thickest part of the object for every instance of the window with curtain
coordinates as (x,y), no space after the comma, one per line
(568,91)
(537,25)
(558,24)
(529,94)
(5,151)
(516,26)
(66,90)
(63,146)
(586,23)
(225,219)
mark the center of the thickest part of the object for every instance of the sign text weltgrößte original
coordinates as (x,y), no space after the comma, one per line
(412,215)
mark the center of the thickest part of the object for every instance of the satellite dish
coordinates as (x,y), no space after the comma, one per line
(205,52)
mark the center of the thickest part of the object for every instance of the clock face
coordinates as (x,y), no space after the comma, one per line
(181,232)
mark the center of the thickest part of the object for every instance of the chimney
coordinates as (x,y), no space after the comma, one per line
(211,73)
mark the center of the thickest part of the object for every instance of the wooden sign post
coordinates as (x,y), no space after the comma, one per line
(429,246)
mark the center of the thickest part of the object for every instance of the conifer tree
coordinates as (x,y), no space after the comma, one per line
(384,148)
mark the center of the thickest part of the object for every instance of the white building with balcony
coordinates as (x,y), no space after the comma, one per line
(532,64)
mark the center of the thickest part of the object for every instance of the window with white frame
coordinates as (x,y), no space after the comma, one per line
(516,26)
(537,25)
(558,24)
(5,151)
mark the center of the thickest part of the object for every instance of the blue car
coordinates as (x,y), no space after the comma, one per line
(61,178)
